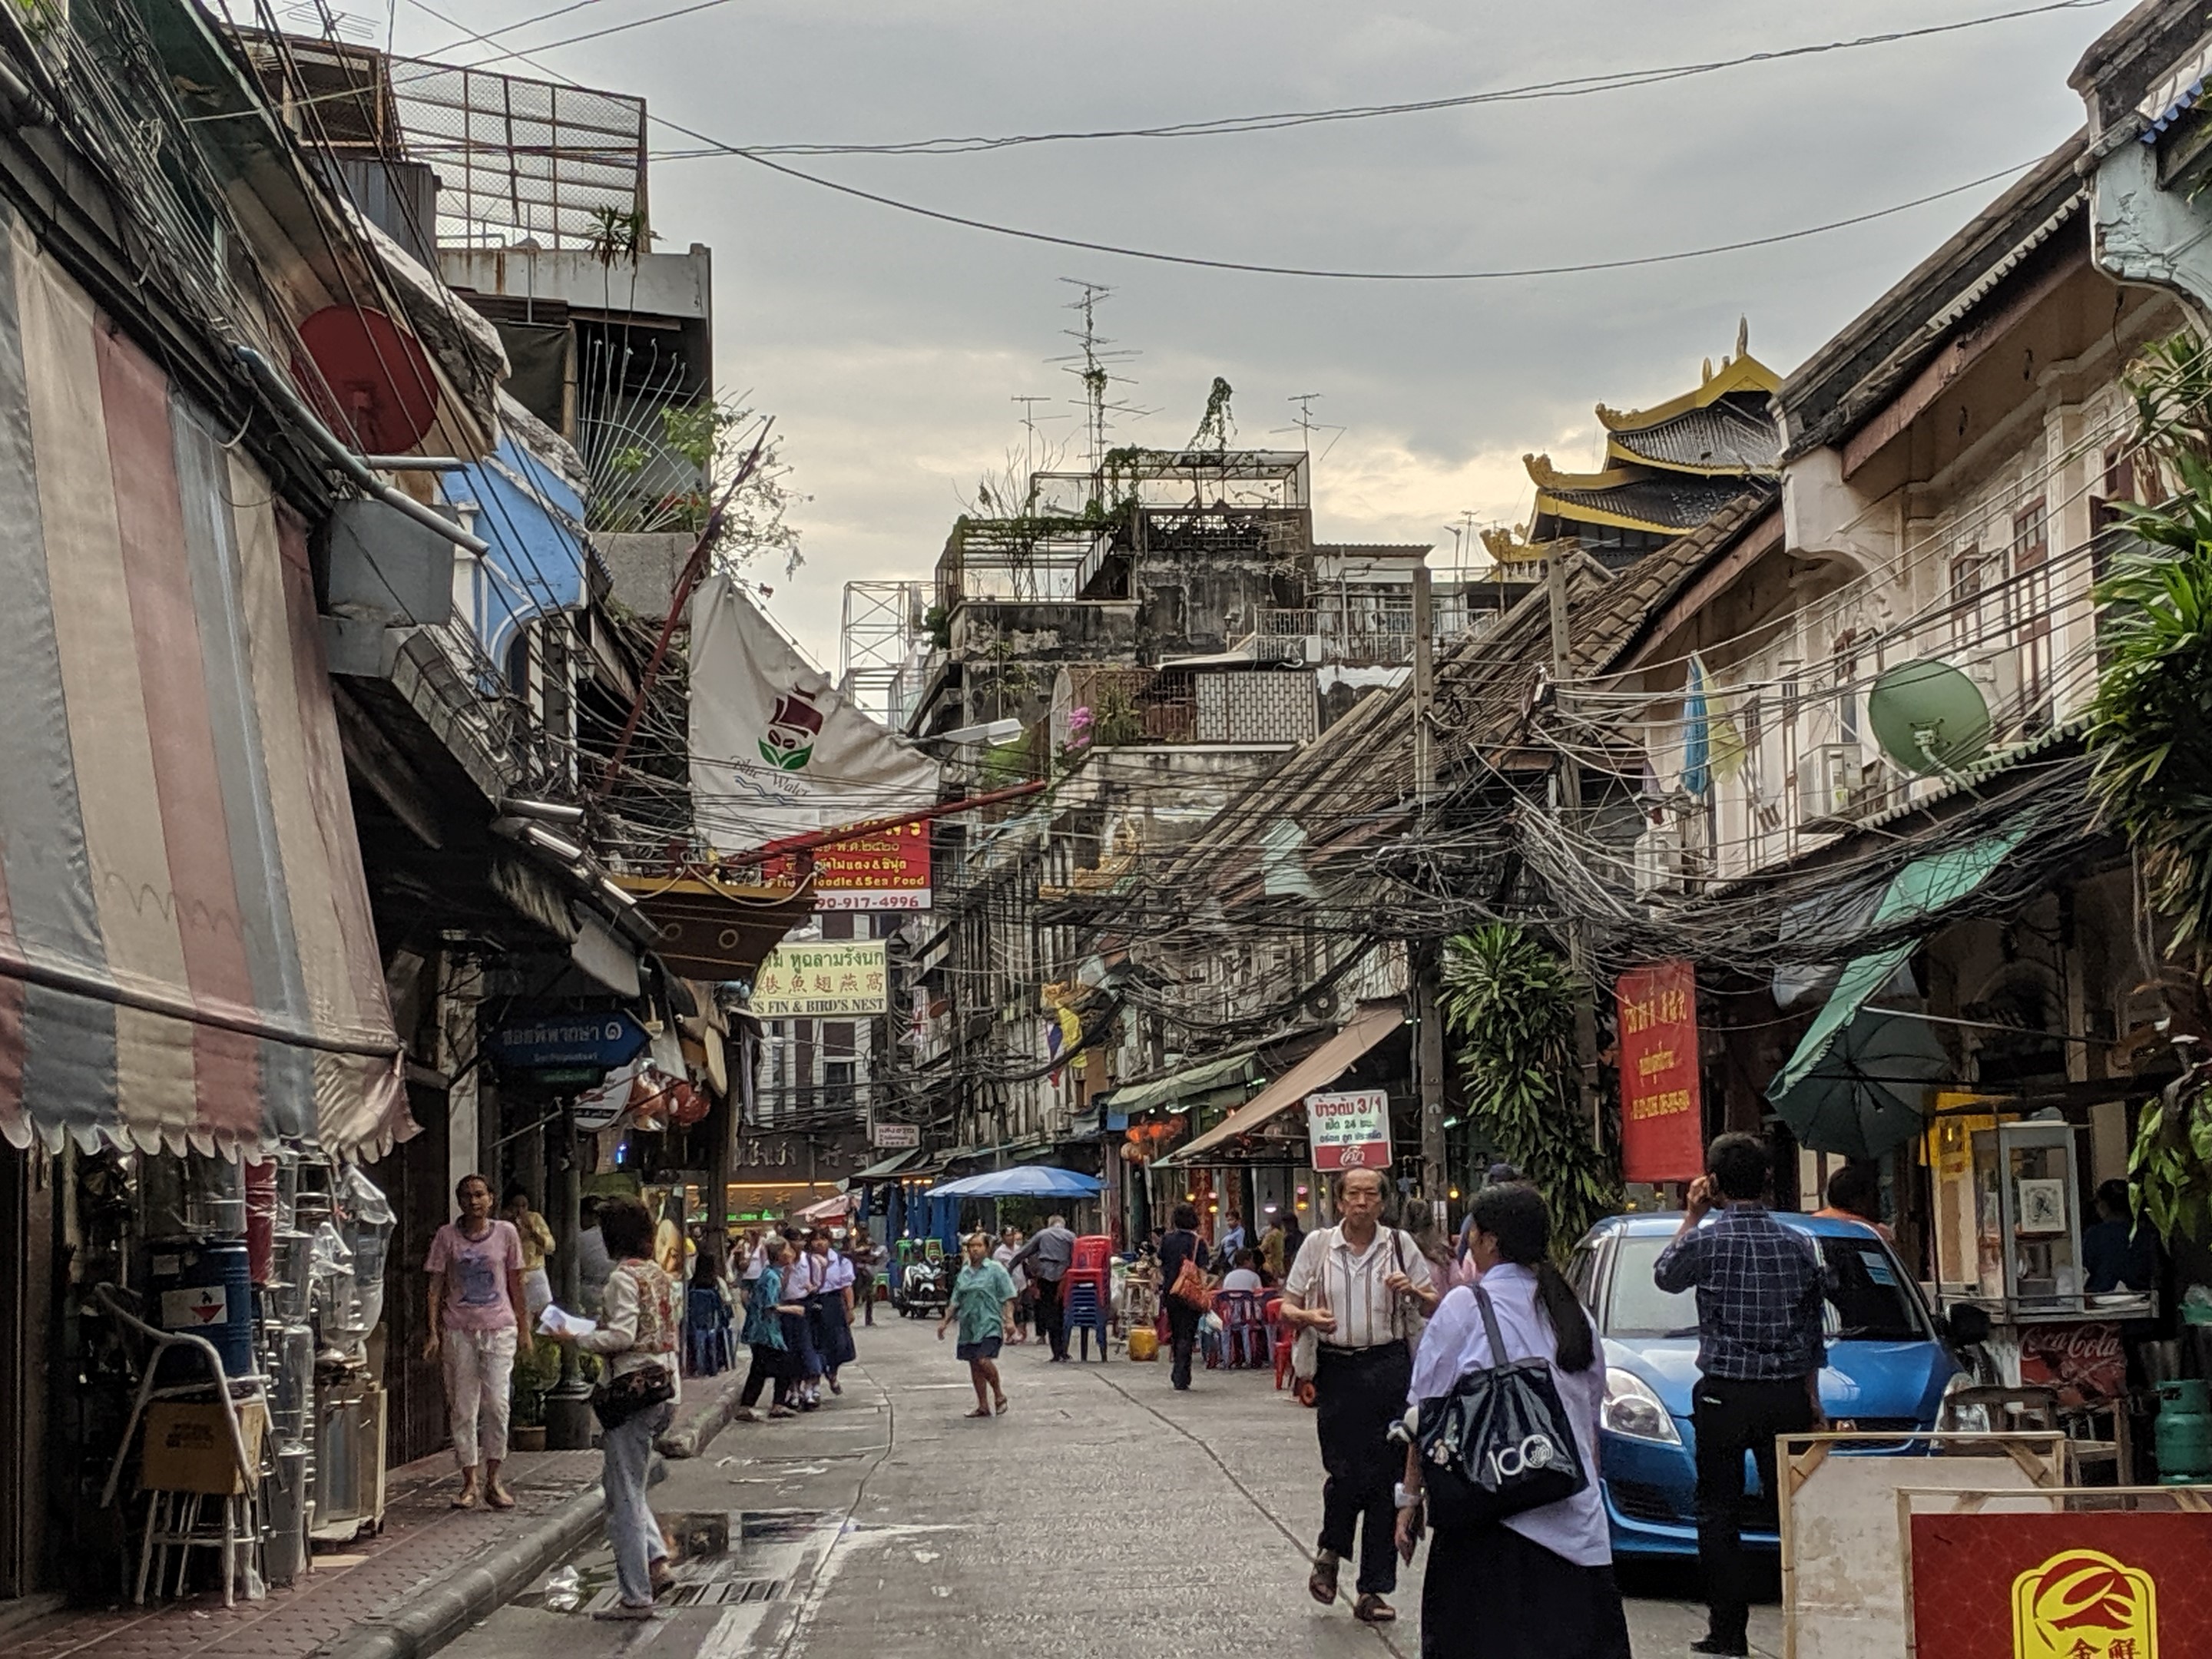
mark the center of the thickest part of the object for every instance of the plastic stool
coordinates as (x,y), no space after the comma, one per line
(1085,1311)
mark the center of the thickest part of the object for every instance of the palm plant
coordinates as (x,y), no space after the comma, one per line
(1508,1002)
(2150,734)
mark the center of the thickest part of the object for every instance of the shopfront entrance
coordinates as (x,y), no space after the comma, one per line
(26,1311)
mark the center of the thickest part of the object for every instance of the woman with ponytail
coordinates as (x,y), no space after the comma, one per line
(1540,1582)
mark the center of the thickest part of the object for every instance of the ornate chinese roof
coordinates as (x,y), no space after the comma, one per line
(1725,437)
(1666,504)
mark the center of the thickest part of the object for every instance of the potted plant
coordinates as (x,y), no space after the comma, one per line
(537,1369)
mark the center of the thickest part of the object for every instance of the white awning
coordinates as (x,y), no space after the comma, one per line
(1315,1072)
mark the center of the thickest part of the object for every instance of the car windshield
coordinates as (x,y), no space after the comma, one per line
(1868,1298)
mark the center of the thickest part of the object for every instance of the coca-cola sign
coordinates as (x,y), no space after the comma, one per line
(2086,1358)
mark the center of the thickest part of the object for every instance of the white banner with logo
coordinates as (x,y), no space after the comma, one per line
(775,750)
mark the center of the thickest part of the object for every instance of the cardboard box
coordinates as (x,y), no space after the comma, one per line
(188,1448)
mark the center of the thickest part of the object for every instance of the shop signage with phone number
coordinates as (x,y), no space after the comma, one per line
(1350,1130)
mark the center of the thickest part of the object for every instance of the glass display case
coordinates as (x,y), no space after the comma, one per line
(2040,1217)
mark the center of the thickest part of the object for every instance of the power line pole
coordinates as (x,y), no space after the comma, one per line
(1421,966)
(1567,810)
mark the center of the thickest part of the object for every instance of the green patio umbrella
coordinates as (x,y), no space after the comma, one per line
(1868,1092)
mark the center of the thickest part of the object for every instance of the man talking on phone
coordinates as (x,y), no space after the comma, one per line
(1760,1286)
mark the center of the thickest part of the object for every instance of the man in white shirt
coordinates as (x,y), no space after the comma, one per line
(1361,1287)
(1243,1276)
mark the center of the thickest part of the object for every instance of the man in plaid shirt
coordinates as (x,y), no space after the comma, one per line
(1760,1287)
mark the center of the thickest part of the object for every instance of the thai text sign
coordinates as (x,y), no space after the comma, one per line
(1349,1131)
(891,1137)
(1661,1120)
(836,980)
(888,871)
(2103,1584)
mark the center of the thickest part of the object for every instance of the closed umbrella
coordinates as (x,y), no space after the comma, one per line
(1868,1094)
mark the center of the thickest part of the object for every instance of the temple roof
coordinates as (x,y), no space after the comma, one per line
(1740,373)
(1663,503)
(1723,437)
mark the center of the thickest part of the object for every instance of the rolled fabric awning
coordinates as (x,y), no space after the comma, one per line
(186,953)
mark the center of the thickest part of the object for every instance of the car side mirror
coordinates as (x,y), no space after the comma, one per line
(1966,1324)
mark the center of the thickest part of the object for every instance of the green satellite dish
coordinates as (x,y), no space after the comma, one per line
(1928,717)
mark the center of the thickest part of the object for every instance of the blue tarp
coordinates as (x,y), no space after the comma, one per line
(535,524)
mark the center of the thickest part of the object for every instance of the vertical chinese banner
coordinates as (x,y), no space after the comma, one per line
(1662,1118)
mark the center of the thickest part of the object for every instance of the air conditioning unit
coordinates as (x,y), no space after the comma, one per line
(1827,778)
(1658,860)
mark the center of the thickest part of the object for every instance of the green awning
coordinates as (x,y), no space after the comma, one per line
(890,1166)
(1181,1085)
(1924,888)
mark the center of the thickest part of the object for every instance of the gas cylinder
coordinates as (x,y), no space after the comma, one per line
(2184,1433)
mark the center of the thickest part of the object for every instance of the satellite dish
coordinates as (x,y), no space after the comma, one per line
(1928,716)
(372,383)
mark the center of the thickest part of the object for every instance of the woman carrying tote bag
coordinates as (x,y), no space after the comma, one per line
(636,1342)
(1538,1583)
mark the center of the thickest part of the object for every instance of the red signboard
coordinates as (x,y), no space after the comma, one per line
(2092,1585)
(2088,1357)
(889,871)
(1661,1122)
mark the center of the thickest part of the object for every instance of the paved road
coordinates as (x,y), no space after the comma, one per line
(1105,1515)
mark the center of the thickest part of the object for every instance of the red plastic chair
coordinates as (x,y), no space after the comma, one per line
(1094,1252)
(1243,1328)
(1284,1341)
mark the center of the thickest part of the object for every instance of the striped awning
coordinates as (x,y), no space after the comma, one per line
(186,955)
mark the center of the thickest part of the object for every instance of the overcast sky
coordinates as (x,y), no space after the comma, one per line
(890,348)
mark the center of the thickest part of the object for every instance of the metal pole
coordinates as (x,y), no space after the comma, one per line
(1428,1025)
(569,1405)
(1567,810)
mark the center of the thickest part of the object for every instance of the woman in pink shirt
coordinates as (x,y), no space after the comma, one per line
(476,1320)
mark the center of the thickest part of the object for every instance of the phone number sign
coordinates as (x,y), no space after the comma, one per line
(1350,1131)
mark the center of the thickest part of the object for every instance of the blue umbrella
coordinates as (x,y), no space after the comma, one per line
(1025,1180)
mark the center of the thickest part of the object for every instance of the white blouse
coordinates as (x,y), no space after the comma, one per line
(1456,1343)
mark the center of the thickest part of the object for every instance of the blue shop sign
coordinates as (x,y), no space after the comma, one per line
(603,1041)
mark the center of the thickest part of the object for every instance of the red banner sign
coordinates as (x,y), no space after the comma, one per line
(1661,1121)
(2088,1357)
(2093,1585)
(885,872)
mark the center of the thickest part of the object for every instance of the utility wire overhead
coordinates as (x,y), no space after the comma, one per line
(1580,86)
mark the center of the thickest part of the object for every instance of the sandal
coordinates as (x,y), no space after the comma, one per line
(979,1411)
(1002,1404)
(465,1499)
(1372,1609)
(1322,1586)
(500,1499)
(625,1612)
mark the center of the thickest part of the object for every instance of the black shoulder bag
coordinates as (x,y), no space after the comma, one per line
(1499,1442)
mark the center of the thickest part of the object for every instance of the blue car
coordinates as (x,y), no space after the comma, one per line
(1887,1369)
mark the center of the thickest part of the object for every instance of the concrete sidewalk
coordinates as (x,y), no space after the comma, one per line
(432,1573)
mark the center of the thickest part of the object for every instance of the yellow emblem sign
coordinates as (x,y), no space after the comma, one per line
(2082,1604)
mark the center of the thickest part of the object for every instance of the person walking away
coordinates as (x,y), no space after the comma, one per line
(1294,1240)
(636,1342)
(833,1312)
(1539,1585)
(1760,1287)
(1009,1242)
(765,1311)
(862,1252)
(536,1244)
(477,1318)
(594,1264)
(1854,1194)
(1048,1255)
(1179,1244)
(1362,1288)
(799,1284)
(710,1302)
(982,1301)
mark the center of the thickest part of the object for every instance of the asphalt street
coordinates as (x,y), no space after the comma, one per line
(1104,1514)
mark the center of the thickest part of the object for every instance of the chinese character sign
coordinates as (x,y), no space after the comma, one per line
(2094,1584)
(1662,1119)
(1350,1131)
(836,980)
(887,871)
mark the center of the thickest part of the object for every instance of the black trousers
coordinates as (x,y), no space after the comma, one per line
(1183,1339)
(1357,1396)
(1731,1417)
(768,1366)
(1050,1316)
